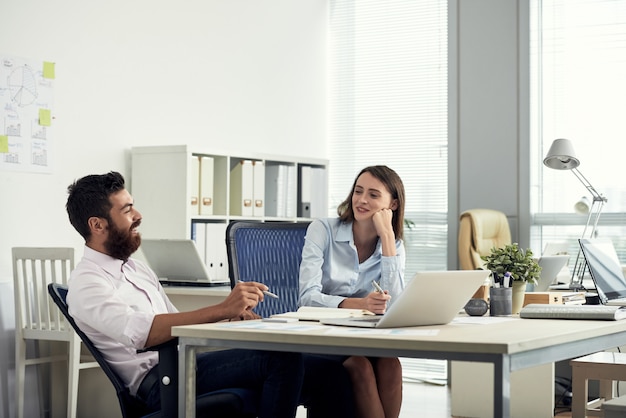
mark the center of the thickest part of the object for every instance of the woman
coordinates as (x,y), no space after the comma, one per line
(340,260)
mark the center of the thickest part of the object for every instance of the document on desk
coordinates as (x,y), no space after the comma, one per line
(262,325)
(482,320)
(310,313)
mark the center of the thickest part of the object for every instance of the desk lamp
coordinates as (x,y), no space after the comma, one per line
(561,156)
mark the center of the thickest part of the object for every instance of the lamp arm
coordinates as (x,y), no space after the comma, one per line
(596,196)
(595,210)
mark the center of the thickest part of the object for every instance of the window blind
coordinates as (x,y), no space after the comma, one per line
(388,71)
(388,105)
(578,62)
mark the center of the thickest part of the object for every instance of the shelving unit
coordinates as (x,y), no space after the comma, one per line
(187,193)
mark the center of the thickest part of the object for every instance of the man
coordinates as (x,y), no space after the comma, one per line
(119,303)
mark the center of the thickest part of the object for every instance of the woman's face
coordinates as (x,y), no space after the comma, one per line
(370,195)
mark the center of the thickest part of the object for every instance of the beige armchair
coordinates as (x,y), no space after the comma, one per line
(480,231)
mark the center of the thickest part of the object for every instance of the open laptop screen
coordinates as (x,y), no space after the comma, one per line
(605,268)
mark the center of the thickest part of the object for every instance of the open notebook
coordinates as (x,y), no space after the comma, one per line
(430,298)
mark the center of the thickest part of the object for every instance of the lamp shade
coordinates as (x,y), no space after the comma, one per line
(582,206)
(561,155)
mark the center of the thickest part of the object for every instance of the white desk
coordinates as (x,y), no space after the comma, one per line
(509,346)
(189,298)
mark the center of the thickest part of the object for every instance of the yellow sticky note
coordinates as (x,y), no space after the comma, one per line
(48,69)
(4,144)
(44,117)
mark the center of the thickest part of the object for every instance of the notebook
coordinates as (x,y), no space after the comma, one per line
(605,270)
(551,265)
(430,298)
(177,261)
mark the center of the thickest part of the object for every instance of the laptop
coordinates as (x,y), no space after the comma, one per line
(430,298)
(556,248)
(177,262)
(551,266)
(605,270)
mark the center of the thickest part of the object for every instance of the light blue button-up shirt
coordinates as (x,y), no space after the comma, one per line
(330,271)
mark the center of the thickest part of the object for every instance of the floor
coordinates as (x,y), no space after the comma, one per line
(429,400)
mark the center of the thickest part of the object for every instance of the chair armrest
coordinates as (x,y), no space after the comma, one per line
(168,375)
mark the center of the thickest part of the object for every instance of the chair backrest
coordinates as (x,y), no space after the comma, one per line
(480,230)
(270,253)
(129,405)
(33,269)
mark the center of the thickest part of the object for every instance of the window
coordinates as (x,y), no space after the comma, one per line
(388,105)
(578,91)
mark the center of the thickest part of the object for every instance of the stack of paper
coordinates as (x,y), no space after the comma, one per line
(310,313)
(574,298)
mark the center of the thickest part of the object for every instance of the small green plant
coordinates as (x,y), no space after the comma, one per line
(515,260)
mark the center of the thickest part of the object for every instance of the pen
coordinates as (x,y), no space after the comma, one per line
(506,280)
(266,292)
(377,287)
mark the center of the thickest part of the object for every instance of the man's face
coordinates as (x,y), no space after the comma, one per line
(123,238)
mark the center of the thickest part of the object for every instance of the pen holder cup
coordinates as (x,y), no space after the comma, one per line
(500,301)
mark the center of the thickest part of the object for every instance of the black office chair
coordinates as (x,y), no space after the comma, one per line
(270,253)
(235,402)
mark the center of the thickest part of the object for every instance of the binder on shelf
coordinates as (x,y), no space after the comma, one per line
(216,257)
(275,190)
(241,189)
(206,185)
(318,193)
(304,200)
(258,188)
(198,235)
(291,198)
(194,164)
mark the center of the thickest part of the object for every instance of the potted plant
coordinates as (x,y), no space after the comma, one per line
(519,263)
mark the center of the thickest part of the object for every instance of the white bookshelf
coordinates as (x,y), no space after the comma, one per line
(166,184)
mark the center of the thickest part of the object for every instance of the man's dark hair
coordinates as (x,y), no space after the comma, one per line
(89,197)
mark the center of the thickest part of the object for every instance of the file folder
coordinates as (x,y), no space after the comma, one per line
(258,188)
(206,185)
(194,164)
(319,204)
(198,235)
(241,192)
(304,200)
(215,252)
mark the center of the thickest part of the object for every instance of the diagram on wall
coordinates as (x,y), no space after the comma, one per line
(26,93)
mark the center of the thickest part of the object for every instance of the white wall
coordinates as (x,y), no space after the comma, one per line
(234,74)
(230,74)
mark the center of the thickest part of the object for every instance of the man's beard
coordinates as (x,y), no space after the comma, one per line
(121,244)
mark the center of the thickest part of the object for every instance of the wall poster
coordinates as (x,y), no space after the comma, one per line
(26,93)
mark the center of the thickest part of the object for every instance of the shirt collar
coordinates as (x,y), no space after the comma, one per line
(111,265)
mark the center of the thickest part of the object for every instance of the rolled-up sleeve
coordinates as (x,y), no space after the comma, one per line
(392,271)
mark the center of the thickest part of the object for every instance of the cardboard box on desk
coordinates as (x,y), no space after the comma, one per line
(549,298)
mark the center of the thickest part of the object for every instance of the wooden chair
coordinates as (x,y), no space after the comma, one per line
(37,319)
